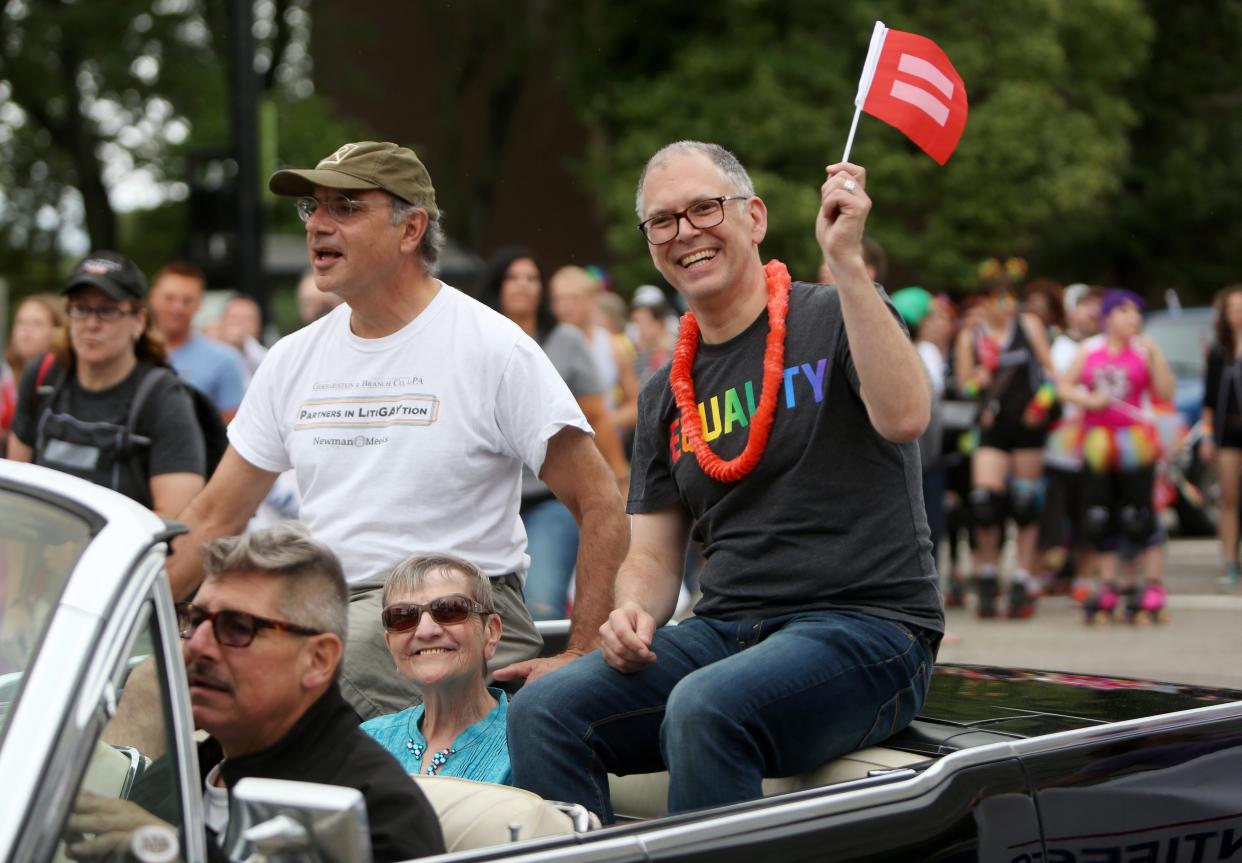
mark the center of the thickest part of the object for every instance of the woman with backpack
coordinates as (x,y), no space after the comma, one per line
(104,405)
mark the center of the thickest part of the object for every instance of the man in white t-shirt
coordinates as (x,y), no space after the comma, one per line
(407,414)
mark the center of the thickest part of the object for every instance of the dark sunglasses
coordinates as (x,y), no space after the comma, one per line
(454,608)
(232,628)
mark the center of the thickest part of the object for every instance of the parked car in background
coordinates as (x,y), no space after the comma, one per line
(1001,764)
(1185,334)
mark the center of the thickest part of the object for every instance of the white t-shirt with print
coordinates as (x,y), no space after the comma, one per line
(410,442)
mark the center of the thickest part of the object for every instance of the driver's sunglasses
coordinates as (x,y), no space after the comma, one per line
(339,207)
(233,628)
(454,608)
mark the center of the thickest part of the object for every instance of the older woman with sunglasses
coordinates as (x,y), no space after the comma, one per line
(441,627)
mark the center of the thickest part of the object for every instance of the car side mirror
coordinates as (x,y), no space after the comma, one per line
(276,819)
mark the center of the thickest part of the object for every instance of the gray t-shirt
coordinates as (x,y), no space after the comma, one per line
(566,347)
(832,516)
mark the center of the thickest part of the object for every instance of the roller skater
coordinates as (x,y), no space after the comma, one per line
(1221,424)
(1002,359)
(1113,377)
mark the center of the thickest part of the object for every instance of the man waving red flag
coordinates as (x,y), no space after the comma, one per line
(909,83)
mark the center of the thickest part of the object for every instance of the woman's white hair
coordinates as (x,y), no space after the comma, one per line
(410,574)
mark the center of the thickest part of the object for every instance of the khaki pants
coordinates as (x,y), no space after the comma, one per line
(369,678)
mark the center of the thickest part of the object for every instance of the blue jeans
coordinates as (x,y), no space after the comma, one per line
(725,704)
(552,543)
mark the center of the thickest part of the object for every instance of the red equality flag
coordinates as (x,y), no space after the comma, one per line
(909,83)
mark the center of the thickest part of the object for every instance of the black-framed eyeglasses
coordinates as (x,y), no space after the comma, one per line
(454,608)
(339,207)
(233,628)
(707,213)
(82,311)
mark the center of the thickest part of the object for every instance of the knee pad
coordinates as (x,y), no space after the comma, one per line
(1026,500)
(1137,523)
(1096,523)
(987,507)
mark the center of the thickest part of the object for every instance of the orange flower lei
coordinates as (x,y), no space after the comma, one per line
(682,383)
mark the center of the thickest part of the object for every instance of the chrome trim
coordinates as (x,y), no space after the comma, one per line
(1059,740)
(561,627)
(136,766)
(578,815)
(622,849)
(193,837)
(552,627)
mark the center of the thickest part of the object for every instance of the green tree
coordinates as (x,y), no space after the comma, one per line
(488,49)
(93,91)
(92,94)
(1176,219)
(775,82)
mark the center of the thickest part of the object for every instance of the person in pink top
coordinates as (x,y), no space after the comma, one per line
(1113,378)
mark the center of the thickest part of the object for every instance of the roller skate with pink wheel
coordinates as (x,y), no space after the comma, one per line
(1100,605)
(1151,605)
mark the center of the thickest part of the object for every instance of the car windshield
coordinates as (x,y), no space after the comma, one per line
(1184,340)
(39,545)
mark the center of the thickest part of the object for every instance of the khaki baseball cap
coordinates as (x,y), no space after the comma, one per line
(363,165)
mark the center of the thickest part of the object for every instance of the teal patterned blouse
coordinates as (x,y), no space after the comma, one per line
(481,752)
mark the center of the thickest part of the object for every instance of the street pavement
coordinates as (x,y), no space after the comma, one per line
(1201,643)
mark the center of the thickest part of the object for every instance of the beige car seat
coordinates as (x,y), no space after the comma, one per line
(481,814)
(645,795)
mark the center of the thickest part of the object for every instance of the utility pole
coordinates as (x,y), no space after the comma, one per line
(247,263)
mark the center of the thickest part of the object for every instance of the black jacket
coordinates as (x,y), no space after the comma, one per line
(327,746)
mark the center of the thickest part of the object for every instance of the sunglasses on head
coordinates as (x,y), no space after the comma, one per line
(232,628)
(454,608)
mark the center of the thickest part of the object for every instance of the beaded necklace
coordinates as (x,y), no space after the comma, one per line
(682,382)
(437,760)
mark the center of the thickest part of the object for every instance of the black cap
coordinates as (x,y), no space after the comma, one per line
(111,272)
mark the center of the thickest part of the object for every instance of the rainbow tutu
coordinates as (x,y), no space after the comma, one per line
(1126,448)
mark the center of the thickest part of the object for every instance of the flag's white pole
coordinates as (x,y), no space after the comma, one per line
(864,82)
(849,142)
